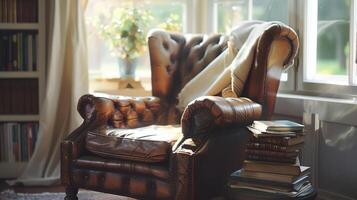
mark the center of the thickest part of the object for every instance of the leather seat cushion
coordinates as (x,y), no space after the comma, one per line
(147,144)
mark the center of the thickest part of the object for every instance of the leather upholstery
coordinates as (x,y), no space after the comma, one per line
(157,170)
(176,59)
(204,163)
(120,111)
(213,141)
(208,112)
(148,144)
(136,186)
(275,47)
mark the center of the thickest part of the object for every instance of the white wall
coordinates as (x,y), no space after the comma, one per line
(331,143)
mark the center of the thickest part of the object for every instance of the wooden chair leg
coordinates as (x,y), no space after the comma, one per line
(71,193)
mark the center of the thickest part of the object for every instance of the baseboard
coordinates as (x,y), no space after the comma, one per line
(327,195)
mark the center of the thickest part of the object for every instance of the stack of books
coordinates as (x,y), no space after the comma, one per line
(272,164)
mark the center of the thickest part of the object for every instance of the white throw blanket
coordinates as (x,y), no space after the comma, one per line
(234,62)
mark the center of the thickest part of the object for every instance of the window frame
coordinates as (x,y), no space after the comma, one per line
(199,17)
(318,88)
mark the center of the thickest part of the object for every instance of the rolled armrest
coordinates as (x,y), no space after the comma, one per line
(119,111)
(209,112)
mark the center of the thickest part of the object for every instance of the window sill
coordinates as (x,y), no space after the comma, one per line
(111,85)
(336,110)
(352,100)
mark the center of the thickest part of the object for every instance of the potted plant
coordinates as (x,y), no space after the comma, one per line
(125,30)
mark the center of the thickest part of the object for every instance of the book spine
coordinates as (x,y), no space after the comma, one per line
(9,55)
(29,139)
(282,141)
(25,53)
(6,140)
(36,54)
(29,51)
(237,179)
(22,142)
(1,139)
(272,153)
(24,149)
(271,147)
(16,145)
(35,134)
(14,63)
(270,159)
(6,19)
(2,97)
(2,48)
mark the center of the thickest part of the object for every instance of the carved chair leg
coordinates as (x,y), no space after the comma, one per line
(71,193)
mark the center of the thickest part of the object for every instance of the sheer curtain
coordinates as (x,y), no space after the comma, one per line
(67,80)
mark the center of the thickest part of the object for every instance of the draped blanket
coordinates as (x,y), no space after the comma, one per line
(228,72)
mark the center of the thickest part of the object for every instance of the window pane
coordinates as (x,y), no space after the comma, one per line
(230,13)
(103,59)
(271,10)
(333,37)
(327,46)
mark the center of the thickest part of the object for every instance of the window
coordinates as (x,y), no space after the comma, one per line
(327,31)
(228,13)
(328,38)
(103,59)
(328,48)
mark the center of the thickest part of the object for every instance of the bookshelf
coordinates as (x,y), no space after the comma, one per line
(25,21)
(19,74)
(19,26)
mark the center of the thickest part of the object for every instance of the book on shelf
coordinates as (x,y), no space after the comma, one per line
(17,141)
(278,125)
(18,51)
(19,96)
(18,11)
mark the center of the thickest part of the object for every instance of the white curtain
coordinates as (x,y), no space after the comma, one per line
(67,80)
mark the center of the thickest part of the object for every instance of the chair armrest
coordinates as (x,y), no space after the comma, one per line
(72,147)
(209,112)
(119,111)
(204,163)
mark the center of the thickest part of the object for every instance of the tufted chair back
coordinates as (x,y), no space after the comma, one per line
(177,58)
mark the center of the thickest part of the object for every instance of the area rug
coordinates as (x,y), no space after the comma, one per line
(82,195)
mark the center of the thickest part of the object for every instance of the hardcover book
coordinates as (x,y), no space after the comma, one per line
(277,125)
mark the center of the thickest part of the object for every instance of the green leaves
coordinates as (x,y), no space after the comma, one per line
(124,30)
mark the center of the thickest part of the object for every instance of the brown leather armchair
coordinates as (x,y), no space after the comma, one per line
(187,161)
